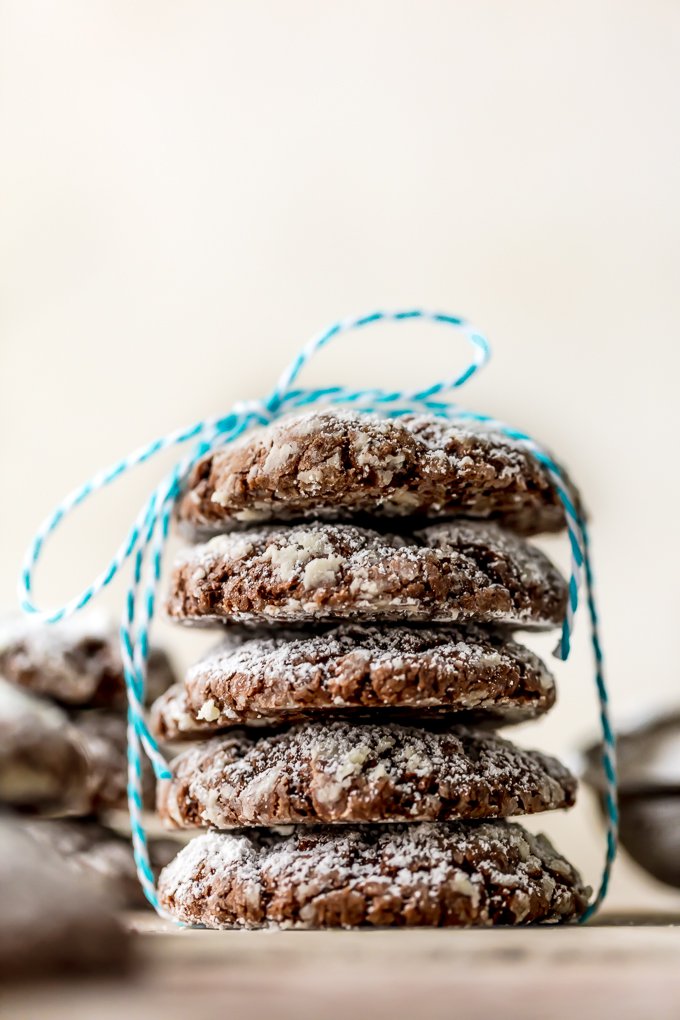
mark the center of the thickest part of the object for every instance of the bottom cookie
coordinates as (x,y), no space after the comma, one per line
(429,875)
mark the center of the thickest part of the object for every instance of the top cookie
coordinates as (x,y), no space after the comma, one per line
(344,465)
(464,570)
(76,663)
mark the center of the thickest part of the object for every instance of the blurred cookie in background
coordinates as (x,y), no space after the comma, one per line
(76,663)
(53,764)
(649,793)
(104,737)
(44,765)
(63,746)
(105,857)
(53,922)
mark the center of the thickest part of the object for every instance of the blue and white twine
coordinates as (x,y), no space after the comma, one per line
(145,543)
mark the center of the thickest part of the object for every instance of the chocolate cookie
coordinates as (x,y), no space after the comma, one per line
(648,765)
(355,669)
(482,874)
(102,855)
(343,465)
(337,772)
(171,719)
(104,737)
(75,663)
(300,574)
(43,760)
(647,757)
(52,922)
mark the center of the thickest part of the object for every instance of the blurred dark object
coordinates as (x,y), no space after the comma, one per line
(53,922)
(104,737)
(649,793)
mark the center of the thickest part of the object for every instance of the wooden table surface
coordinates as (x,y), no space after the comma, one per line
(620,967)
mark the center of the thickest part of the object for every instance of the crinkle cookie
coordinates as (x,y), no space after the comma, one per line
(75,663)
(53,923)
(316,572)
(344,465)
(354,669)
(457,874)
(338,772)
(104,737)
(101,854)
(171,719)
(648,770)
(43,760)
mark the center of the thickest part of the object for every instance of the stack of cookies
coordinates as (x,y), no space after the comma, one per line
(344,754)
(63,743)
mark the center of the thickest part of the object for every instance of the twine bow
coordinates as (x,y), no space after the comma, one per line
(145,542)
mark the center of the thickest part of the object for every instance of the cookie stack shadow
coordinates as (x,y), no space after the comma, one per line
(343,749)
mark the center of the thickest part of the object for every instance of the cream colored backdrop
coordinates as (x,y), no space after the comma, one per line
(189,190)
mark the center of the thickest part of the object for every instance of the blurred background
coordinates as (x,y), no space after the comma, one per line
(189,191)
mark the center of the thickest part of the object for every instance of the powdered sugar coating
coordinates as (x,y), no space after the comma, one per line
(338,772)
(356,668)
(446,572)
(341,464)
(435,875)
(171,719)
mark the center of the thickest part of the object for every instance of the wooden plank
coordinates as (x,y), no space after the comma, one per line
(624,970)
